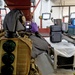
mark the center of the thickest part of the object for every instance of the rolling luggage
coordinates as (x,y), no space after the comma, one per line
(55,33)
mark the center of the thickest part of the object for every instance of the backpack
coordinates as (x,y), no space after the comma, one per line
(55,33)
(11,21)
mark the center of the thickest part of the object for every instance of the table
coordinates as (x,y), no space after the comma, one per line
(63,48)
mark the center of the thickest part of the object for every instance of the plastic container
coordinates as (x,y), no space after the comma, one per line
(65,27)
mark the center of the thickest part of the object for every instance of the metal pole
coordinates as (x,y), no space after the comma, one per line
(63,6)
(69,15)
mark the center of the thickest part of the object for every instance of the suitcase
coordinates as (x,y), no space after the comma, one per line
(55,28)
(55,33)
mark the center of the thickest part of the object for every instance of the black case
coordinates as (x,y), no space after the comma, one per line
(55,34)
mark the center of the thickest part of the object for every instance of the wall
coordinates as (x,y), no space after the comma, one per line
(58,12)
(43,7)
(46,7)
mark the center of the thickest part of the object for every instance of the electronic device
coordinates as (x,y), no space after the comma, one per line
(46,16)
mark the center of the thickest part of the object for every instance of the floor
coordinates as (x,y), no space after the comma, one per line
(46,68)
(63,72)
